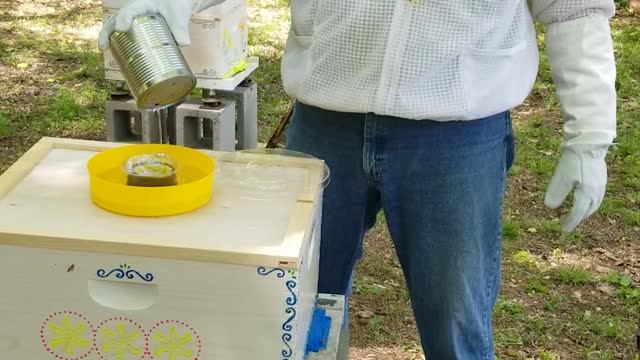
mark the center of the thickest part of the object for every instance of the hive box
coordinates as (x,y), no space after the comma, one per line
(235,279)
(218,49)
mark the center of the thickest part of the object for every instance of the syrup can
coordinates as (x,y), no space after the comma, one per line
(152,64)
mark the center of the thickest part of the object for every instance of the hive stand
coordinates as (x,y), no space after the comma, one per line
(126,123)
(223,120)
(209,123)
(245,96)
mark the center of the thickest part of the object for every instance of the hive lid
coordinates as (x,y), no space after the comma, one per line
(261,209)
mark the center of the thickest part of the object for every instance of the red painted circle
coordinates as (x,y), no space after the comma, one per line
(197,345)
(88,330)
(143,337)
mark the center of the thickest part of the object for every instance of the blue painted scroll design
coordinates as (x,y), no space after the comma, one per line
(290,310)
(264,272)
(286,337)
(124,271)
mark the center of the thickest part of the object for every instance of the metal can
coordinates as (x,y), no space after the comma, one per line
(152,64)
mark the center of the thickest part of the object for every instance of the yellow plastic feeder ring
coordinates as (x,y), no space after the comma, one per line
(111,188)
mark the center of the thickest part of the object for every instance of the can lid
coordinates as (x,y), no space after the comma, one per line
(166,92)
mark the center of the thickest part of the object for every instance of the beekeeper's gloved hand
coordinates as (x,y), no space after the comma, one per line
(581,59)
(177,14)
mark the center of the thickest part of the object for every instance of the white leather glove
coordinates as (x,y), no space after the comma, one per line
(584,168)
(177,14)
(581,59)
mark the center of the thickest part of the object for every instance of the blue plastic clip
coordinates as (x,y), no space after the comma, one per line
(319,331)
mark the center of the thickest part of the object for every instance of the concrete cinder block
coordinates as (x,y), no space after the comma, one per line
(126,123)
(246,98)
(206,128)
(123,123)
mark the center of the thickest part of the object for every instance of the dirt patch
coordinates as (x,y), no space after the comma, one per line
(386,353)
(525,195)
(380,308)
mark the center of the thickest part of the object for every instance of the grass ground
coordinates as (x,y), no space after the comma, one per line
(562,297)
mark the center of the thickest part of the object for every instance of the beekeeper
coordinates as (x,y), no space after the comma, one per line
(409,103)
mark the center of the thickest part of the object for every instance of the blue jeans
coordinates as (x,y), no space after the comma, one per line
(441,187)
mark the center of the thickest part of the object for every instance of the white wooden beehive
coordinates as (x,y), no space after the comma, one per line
(219,45)
(235,279)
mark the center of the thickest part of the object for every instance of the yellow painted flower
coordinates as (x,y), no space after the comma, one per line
(68,336)
(173,345)
(119,342)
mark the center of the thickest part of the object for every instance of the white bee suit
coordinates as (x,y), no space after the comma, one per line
(420,59)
